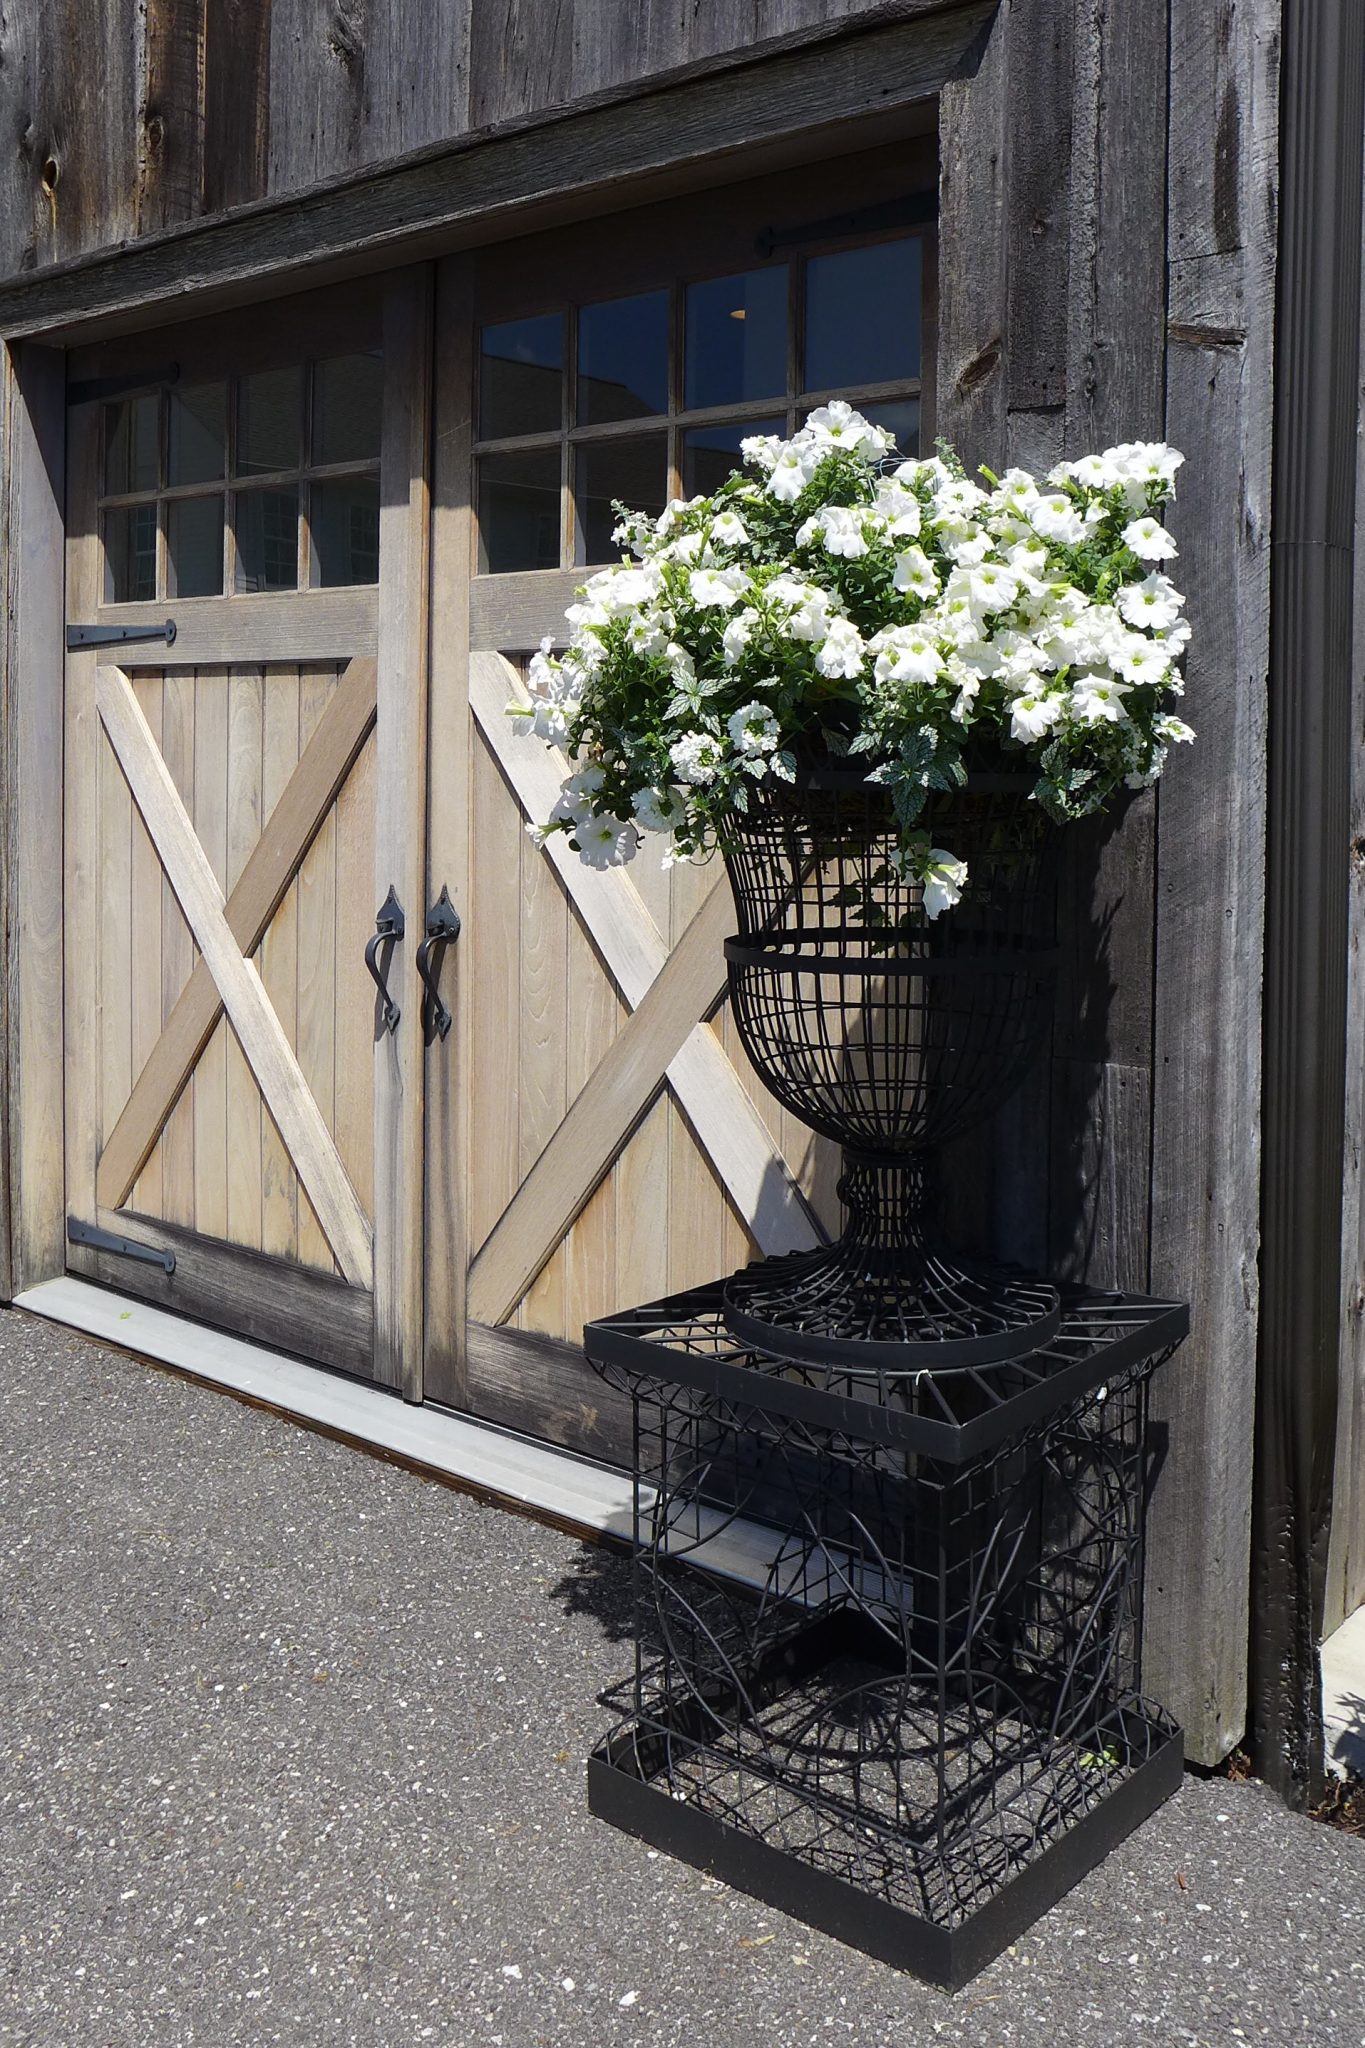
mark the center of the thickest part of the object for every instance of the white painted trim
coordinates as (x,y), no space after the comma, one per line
(595,1498)
(1343,1696)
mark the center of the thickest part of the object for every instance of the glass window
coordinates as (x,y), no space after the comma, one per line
(344,524)
(736,339)
(194,547)
(197,436)
(521,377)
(348,403)
(267,529)
(519,511)
(623,359)
(901,415)
(270,421)
(130,555)
(632,472)
(863,316)
(709,454)
(131,451)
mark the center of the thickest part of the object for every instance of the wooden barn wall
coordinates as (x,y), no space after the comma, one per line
(1120,284)
(122,117)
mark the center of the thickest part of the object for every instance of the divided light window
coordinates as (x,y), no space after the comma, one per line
(268,481)
(648,397)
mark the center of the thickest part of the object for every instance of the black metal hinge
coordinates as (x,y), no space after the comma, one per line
(117,636)
(121,1247)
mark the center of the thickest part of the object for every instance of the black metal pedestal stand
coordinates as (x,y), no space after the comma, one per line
(888,1651)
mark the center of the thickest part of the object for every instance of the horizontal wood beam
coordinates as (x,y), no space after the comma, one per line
(818,96)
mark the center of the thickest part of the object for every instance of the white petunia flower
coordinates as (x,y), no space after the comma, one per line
(905,654)
(1056,519)
(789,475)
(697,759)
(841,653)
(717,587)
(1149,540)
(753,729)
(1154,602)
(944,881)
(1032,716)
(900,509)
(1098,700)
(992,587)
(1138,661)
(836,528)
(915,573)
(737,634)
(606,842)
(729,530)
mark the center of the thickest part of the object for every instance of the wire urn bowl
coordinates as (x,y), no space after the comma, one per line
(891,1033)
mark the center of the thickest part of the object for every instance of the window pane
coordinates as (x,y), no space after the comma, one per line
(901,415)
(521,366)
(269,421)
(736,345)
(863,316)
(130,443)
(267,524)
(130,555)
(348,401)
(194,547)
(709,454)
(623,359)
(519,514)
(198,417)
(344,523)
(634,472)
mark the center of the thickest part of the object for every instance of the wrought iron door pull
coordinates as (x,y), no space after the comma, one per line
(443,928)
(389,927)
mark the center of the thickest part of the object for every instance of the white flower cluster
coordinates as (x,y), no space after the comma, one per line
(835,600)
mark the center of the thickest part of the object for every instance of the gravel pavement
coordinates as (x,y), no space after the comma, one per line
(291,1751)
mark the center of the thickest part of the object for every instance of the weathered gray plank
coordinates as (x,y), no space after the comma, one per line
(521,58)
(1211,824)
(236,101)
(170,114)
(546,1388)
(317,87)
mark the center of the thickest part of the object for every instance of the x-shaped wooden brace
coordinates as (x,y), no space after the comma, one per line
(225,978)
(666,1039)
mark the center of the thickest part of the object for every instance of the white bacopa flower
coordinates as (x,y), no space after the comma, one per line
(836,528)
(753,729)
(841,652)
(697,758)
(1056,518)
(1155,602)
(914,573)
(1172,729)
(944,880)
(1032,715)
(606,842)
(905,654)
(722,587)
(657,810)
(1149,540)
(761,450)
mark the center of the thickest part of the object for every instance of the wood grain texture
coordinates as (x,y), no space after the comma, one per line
(33,458)
(1211,822)
(800,102)
(545,1387)
(306,625)
(236,102)
(258,1028)
(246,705)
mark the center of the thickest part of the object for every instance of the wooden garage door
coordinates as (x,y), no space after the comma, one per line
(238,802)
(596,1136)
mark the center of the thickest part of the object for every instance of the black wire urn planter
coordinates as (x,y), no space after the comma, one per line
(889,1499)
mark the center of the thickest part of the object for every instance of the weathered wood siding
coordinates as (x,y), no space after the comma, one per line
(122,117)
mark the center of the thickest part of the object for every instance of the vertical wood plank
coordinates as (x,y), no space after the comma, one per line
(696,1235)
(146,945)
(542,1029)
(458,772)
(115,965)
(400,815)
(354,1099)
(642,1171)
(73,796)
(246,706)
(236,102)
(210,1075)
(278,960)
(595,1013)
(492,964)
(315,1029)
(170,114)
(177,948)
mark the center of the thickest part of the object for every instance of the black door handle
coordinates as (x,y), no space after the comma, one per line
(443,928)
(388,929)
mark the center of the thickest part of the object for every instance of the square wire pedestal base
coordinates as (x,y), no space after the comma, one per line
(927,1724)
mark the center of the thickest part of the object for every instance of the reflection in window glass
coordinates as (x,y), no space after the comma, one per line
(521,364)
(269,421)
(194,547)
(710,454)
(130,444)
(901,415)
(633,473)
(736,340)
(267,528)
(863,316)
(130,555)
(348,400)
(344,523)
(519,511)
(623,359)
(197,436)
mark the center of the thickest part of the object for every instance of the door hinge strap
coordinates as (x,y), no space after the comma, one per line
(117,636)
(121,1247)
